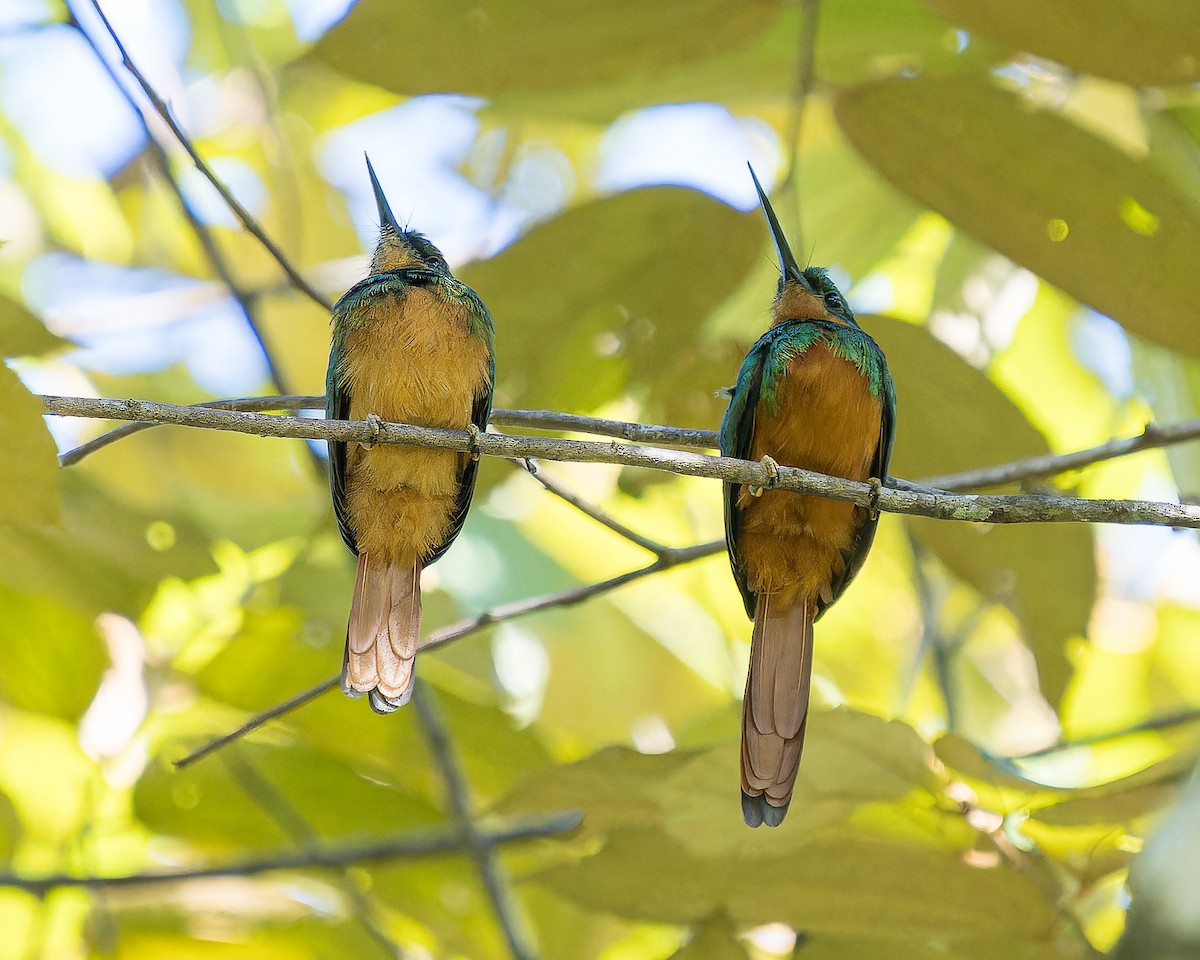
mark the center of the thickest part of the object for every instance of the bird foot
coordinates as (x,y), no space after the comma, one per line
(374,423)
(473,432)
(876,490)
(772,469)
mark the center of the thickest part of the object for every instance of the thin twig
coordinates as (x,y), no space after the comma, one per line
(1052,464)
(207,242)
(1166,722)
(805,58)
(673,557)
(275,805)
(491,872)
(243,215)
(937,505)
(278,710)
(422,843)
(589,509)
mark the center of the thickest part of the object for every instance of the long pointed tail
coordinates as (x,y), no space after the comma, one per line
(775,708)
(382,634)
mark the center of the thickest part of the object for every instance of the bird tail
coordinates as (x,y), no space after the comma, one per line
(382,634)
(775,708)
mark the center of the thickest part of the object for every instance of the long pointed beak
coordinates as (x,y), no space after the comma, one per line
(787,263)
(386,220)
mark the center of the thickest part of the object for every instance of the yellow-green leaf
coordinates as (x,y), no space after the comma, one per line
(29,475)
(1133,41)
(1037,188)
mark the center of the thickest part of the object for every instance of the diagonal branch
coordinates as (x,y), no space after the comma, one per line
(590,509)
(893,498)
(423,843)
(243,215)
(483,852)
(203,235)
(510,611)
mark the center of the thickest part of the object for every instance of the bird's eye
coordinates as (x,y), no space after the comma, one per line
(833,300)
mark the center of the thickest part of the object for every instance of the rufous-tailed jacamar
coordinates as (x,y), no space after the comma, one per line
(813,392)
(411,344)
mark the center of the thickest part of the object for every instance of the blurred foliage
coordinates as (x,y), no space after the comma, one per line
(995,184)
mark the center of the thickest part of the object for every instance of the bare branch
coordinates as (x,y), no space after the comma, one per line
(893,499)
(231,201)
(278,710)
(1051,464)
(590,509)
(417,843)
(1166,722)
(203,235)
(487,863)
(673,557)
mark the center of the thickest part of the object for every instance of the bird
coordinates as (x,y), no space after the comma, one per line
(814,392)
(412,344)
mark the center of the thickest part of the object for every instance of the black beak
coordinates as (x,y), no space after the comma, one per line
(386,220)
(787,263)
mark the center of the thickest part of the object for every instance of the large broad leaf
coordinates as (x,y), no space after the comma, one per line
(1134,41)
(1071,207)
(21,333)
(53,657)
(951,417)
(530,46)
(29,467)
(595,302)
(851,760)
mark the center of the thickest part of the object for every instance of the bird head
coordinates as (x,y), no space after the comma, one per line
(399,249)
(806,294)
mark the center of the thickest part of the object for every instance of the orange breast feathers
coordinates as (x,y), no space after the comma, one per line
(412,360)
(828,421)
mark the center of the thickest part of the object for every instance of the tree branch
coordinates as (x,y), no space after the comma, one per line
(673,557)
(243,215)
(483,852)
(424,843)
(203,235)
(892,499)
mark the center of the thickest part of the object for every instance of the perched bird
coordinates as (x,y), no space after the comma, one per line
(813,392)
(411,344)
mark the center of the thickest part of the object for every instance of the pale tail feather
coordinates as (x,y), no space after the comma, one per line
(775,708)
(382,634)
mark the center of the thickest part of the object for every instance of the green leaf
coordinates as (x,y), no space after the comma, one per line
(29,474)
(215,805)
(1047,576)
(1065,204)
(1140,42)
(531,46)
(851,760)
(53,657)
(23,334)
(595,301)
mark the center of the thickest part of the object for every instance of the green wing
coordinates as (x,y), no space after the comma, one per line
(737,432)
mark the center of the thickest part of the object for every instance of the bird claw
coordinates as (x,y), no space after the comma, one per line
(772,469)
(876,491)
(374,423)
(473,432)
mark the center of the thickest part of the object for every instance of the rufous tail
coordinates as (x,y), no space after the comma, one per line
(381,637)
(775,708)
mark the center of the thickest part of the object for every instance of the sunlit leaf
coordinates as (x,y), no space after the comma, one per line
(29,467)
(950,417)
(1093,37)
(588,304)
(1042,191)
(21,333)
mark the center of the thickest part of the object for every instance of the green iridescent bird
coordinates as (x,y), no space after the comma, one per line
(411,344)
(813,392)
